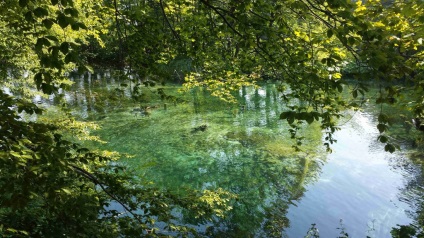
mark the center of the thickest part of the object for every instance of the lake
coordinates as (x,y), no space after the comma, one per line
(199,142)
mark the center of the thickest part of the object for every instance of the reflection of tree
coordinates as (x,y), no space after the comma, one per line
(253,162)
(412,194)
(265,187)
(253,159)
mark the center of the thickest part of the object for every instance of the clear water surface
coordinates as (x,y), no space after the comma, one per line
(246,149)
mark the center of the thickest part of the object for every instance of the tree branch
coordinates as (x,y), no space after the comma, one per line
(262,17)
(118,29)
(93,179)
(167,21)
(222,16)
(326,12)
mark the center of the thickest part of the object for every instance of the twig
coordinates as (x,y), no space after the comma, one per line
(222,16)
(93,179)
(167,21)
(118,28)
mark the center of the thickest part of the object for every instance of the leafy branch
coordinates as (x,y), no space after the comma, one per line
(96,181)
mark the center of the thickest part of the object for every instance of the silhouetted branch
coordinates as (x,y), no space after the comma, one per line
(222,16)
(167,21)
(93,179)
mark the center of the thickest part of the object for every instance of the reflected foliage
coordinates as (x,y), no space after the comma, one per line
(244,152)
(404,130)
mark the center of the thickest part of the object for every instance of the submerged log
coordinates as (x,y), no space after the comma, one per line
(199,128)
(144,111)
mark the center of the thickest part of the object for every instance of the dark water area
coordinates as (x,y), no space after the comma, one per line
(198,142)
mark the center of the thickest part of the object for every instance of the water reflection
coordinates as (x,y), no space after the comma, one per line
(246,150)
(356,185)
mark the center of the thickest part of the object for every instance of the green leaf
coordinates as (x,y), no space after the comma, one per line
(383,139)
(89,68)
(78,25)
(381,127)
(23,3)
(383,118)
(309,119)
(27,156)
(15,154)
(75,27)
(28,16)
(83,150)
(355,93)
(41,12)
(48,23)
(82,26)
(64,47)
(71,57)
(39,45)
(330,33)
(351,40)
(301,115)
(47,77)
(38,78)
(339,87)
(48,88)
(291,118)
(390,148)
(63,21)
(64,3)
(12,230)
(52,38)
(71,11)
(54,2)
(285,115)
(41,42)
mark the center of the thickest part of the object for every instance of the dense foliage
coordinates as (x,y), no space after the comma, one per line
(49,185)
(306,45)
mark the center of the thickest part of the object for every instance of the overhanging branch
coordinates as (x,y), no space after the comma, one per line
(222,16)
(167,21)
(96,181)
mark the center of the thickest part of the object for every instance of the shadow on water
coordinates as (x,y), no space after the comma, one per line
(202,143)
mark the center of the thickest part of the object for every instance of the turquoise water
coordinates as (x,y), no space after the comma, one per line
(245,149)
